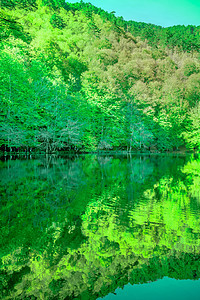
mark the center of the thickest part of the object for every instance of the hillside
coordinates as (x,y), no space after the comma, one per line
(74,77)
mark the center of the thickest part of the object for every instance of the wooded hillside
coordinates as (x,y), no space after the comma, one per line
(74,77)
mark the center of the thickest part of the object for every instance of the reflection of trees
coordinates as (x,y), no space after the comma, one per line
(192,171)
(87,238)
(141,168)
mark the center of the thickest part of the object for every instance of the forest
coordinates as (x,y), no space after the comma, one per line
(77,78)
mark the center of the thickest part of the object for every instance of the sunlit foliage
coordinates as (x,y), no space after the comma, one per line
(75,77)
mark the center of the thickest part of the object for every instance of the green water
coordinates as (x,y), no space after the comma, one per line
(86,227)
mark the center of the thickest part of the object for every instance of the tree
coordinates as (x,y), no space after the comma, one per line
(12,136)
(138,134)
(192,133)
(54,3)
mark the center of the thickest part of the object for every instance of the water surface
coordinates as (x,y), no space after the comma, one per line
(84,227)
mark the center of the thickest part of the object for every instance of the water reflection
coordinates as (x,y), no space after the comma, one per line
(80,227)
(164,289)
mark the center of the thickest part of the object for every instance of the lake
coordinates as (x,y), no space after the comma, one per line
(100,227)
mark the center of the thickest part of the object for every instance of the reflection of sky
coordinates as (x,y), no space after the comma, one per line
(164,289)
(164,13)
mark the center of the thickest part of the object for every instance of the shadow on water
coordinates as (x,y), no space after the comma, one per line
(83,226)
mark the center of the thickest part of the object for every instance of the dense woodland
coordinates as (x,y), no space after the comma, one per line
(74,77)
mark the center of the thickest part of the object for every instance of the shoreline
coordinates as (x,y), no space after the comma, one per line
(72,153)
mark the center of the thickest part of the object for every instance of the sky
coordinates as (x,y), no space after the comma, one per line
(160,12)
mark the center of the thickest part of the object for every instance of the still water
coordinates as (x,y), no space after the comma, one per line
(100,227)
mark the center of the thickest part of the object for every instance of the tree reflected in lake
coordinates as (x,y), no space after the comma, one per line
(81,226)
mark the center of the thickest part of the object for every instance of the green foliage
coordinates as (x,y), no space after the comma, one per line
(10,27)
(192,133)
(57,21)
(18,3)
(75,78)
(32,3)
(54,3)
